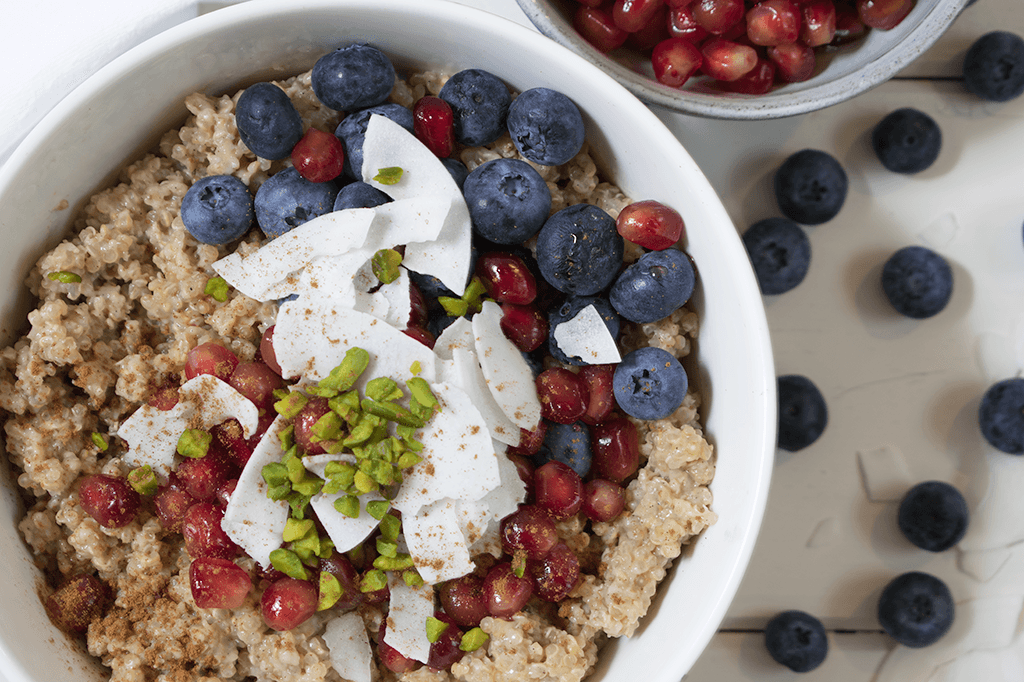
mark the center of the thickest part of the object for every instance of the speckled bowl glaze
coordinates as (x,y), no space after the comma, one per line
(850,70)
(124,108)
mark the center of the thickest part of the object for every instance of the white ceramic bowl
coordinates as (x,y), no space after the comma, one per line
(124,108)
(851,69)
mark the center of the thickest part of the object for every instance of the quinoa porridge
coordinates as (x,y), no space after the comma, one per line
(99,348)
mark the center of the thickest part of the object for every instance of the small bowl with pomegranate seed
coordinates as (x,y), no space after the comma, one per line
(746,59)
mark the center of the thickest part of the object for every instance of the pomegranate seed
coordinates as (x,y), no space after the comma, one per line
(530,441)
(773,22)
(257,382)
(738,33)
(678,4)
(563,395)
(633,15)
(883,14)
(165,396)
(201,477)
(204,536)
(598,28)
(601,395)
(758,81)
(419,311)
(341,567)
(524,325)
(109,499)
(433,123)
(556,574)
(616,448)
(507,278)
(445,651)
(218,583)
(819,23)
(651,33)
(421,335)
(651,224)
(288,603)
(228,436)
(681,24)
(267,353)
(674,61)
(726,60)
(78,602)
(794,62)
(717,16)
(558,489)
(506,593)
(849,27)
(389,656)
(171,505)
(210,358)
(224,492)
(463,600)
(591,3)
(525,469)
(528,530)
(318,156)
(603,500)
(315,408)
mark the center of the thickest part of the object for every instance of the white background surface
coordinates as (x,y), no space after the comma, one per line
(908,390)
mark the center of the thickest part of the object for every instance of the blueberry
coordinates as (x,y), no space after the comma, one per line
(286,200)
(535,362)
(655,286)
(802,412)
(567,310)
(780,253)
(810,187)
(360,195)
(994,66)
(649,383)
(1001,416)
(438,323)
(217,209)
(796,640)
(479,102)
(458,171)
(907,141)
(508,200)
(570,445)
(546,127)
(353,77)
(579,250)
(916,609)
(430,286)
(267,121)
(352,133)
(933,516)
(917,281)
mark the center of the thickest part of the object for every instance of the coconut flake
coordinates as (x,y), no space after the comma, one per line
(586,337)
(408,610)
(349,647)
(345,532)
(466,374)
(459,334)
(479,519)
(436,542)
(509,378)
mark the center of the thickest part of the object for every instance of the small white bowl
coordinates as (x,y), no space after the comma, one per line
(126,106)
(851,69)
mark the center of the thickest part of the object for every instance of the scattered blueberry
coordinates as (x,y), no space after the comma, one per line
(802,412)
(352,132)
(655,286)
(907,141)
(508,200)
(353,77)
(569,444)
(780,253)
(810,187)
(796,640)
(267,121)
(360,195)
(546,127)
(479,102)
(217,209)
(1001,416)
(458,171)
(994,66)
(579,250)
(438,323)
(569,309)
(286,200)
(430,286)
(917,281)
(916,609)
(933,516)
(649,383)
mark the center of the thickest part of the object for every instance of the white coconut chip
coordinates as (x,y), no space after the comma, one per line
(459,334)
(345,532)
(349,646)
(479,519)
(509,378)
(410,218)
(408,610)
(396,293)
(466,374)
(586,337)
(436,543)
(448,256)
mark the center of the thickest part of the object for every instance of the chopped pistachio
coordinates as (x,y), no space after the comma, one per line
(290,406)
(473,639)
(372,581)
(64,277)
(194,443)
(384,265)
(391,412)
(412,578)
(474,293)
(296,530)
(144,480)
(385,548)
(415,368)
(296,471)
(275,474)
(217,287)
(389,176)
(435,628)
(308,486)
(330,591)
(327,427)
(455,307)
(382,389)
(408,459)
(342,377)
(396,563)
(298,503)
(378,508)
(279,492)
(364,483)
(288,562)
(99,441)
(287,437)
(362,431)
(420,391)
(390,527)
(341,472)
(348,505)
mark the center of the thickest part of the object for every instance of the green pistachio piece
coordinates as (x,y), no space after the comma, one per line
(385,264)
(99,441)
(144,480)
(364,483)
(390,527)
(420,391)
(385,548)
(275,474)
(330,591)
(408,460)
(391,412)
(473,639)
(378,508)
(373,580)
(290,406)
(348,505)
(397,563)
(342,377)
(455,307)
(279,492)
(217,287)
(415,368)
(389,176)
(327,427)
(64,277)
(412,578)
(288,562)
(194,443)
(287,437)
(382,389)
(295,529)
(435,628)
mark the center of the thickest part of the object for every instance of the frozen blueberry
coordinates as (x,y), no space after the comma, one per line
(916,609)
(649,383)
(933,516)
(352,133)
(796,640)
(353,77)
(479,102)
(1001,416)
(546,127)
(286,200)
(508,200)
(994,66)
(217,209)
(570,445)
(655,286)
(917,281)
(579,250)
(907,141)
(569,309)
(780,253)
(802,412)
(360,195)
(810,187)
(267,121)
(458,171)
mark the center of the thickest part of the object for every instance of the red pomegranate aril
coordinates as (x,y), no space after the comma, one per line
(218,583)
(318,156)
(419,312)
(598,28)
(592,3)
(380,596)
(257,381)
(601,394)
(726,60)
(267,353)
(202,477)
(773,22)
(229,437)
(165,396)
(558,489)
(563,395)
(421,335)
(678,4)
(717,16)
(446,651)
(603,500)
(203,534)
(794,62)
(651,33)
(757,81)
(528,530)
(224,492)
(109,499)
(171,505)
(819,23)
(389,656)
(341,567)
(525,469)
(524,325)
(633,15)
(849,27)
(507,278)
(288,603)
(651,224)
(210,358)
(883,14)
(463,600)
(681,24)
(77,603)
(505,592)
(311,412)
(556,574)
(530,441)
(674,61)
(616,449)
(433,124)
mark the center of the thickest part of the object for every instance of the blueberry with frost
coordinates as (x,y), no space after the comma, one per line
(994,66)
(546,127)
(479,102)
(654,287)
(267,121)
(917,281)
(286,200)
(907,141)
(570,445)
(916,609)
(353,77)
(649,383)
(359,195)
(217,209)
(579,251)
(1001,416)
(508,200)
